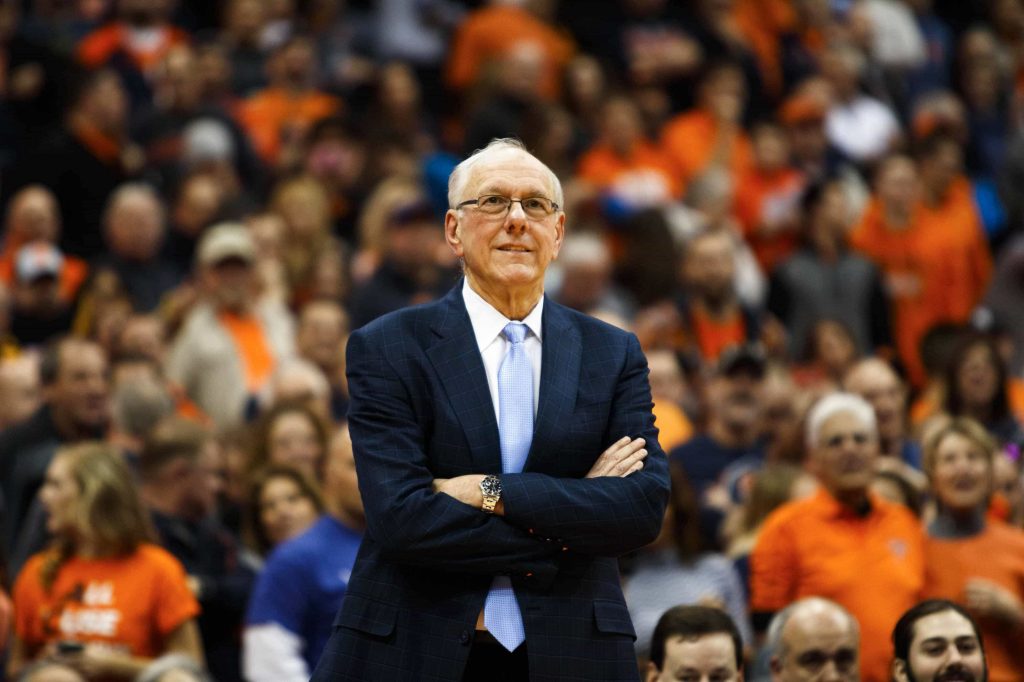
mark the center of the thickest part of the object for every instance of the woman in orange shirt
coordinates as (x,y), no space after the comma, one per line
(102,599)
(972,558)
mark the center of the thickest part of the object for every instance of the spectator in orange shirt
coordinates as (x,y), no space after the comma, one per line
(712,313)
(711,133)
(133,43)
(490,32)
(102,584)
(844,543)
(278,116)
(768,197)
(623,163)
(33,215)
(893,234)
(972,558)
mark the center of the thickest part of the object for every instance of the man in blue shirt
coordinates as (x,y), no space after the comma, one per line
(301,587)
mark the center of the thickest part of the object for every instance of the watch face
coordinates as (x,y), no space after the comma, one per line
(491,486)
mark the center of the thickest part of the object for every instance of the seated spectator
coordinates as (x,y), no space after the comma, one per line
(102,584)
(831,351)
(304,207)
(586,267)
(134,230)
(814,639)
(977,387)
(875,380)
(180,473)
(20,389)
(174,668)
(714,316)
(711,133)
(672,397)
(282,504)
(862,127)
(843,543)
(294,380)
(39,310)
(302,584)
(971,558)
(768,197)
(410,270)
(678,569)
(623,164)
(278,116)
(229,343)
(33,215)
(938,640)
(695,642)
(824,279)
(320,338)
(292,434)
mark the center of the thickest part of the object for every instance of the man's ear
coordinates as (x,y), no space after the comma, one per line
(451,232)
(899,670)
(652,672)
(775,666)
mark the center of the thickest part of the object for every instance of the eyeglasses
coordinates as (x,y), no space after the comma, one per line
(495,204)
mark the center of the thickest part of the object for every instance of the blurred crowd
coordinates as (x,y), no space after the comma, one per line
(200,199)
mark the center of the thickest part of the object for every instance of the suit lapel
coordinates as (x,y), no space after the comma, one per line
(559,382)
(456,358)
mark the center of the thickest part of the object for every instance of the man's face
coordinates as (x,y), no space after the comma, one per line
(736,400)
(321,335)
(81,390)
(510,251)
(710,266)
(944,648)
(881,387)
(708,658)
(206,481)
(230,283)
(819,647)
(844,456)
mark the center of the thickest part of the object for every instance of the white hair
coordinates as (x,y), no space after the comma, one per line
(833,404)
(808,605)
(459,178)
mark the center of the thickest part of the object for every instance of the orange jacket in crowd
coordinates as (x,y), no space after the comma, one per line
(646,169)
(490,32)
(938,268)
(97,48)
(758,196)
(690,138)
(272,113)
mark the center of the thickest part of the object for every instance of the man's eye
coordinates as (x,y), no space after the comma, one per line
(492,200)
(533,204)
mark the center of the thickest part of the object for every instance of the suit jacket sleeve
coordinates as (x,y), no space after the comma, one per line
(411,523)
(606,516)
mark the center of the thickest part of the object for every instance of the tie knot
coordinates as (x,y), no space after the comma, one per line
(515,332)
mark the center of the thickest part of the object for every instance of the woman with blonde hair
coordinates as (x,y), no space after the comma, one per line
(102,598)
(972,558)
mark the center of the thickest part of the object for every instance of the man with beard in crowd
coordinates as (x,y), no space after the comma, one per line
(938,641)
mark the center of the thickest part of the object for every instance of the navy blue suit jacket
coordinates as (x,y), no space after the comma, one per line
(420,410)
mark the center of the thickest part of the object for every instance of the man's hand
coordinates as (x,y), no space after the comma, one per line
(622,458)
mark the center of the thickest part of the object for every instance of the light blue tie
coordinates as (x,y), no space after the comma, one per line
(515,426)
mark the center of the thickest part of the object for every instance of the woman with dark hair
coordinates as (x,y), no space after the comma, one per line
(976,387)
(677,569)
(282,503)
(102,598)
(971,557)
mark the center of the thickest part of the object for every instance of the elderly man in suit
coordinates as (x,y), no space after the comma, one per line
(506,453)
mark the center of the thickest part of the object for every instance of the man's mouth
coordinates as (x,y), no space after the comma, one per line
(955,675)
(514,248)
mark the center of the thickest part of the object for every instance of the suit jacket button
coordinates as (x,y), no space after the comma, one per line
(464,637)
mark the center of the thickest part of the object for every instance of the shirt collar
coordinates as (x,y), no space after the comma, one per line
(488,322)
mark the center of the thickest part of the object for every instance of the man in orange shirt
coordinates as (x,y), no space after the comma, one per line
(711,133)
(844,543)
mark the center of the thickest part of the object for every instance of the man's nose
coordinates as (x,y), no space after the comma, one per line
(516,218)
(830,673)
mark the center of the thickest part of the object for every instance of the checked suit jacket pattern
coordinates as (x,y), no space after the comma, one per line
(420,410)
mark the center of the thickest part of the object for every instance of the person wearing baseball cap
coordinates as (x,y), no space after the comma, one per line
(232,340)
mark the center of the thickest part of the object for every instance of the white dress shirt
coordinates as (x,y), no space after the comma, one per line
(488,324)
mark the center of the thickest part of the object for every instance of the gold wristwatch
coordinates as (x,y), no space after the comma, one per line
(491,489)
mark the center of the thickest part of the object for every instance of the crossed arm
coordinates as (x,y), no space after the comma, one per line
(420,520)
